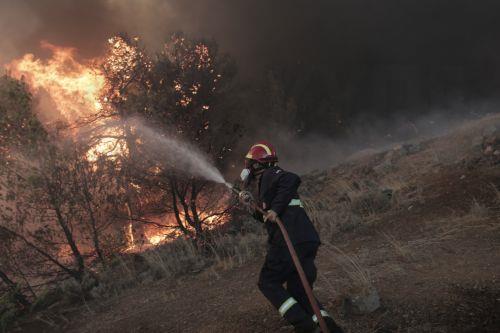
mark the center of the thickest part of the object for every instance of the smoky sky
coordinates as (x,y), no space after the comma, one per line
(345,65)
(355,41)
(262,32)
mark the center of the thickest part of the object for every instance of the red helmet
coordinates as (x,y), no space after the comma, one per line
(262,152)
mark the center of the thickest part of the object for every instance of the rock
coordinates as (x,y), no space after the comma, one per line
(488,150)
(387,192)
(362,303)
(492,139)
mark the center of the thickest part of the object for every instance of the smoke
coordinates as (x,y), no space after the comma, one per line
(15,33)
(262,32)
(304,153)
(377,66)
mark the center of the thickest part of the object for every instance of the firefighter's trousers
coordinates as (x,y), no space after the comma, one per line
(278,269)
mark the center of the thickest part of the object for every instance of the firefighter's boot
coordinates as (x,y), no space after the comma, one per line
(330,323)
(306,326)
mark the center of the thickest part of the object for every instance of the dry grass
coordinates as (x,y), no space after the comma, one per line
(359,277)
(396,182)
(348,207)
(345,187)
(329,218)
(478,210)
(409,250)
(451,228)
(235,250)
(177,258)
(403,249)
(496,192)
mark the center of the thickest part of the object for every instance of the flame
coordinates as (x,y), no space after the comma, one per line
(157,239)
(76,91)
(156,236)
(74,87)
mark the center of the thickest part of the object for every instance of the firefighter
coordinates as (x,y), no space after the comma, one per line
(277,193)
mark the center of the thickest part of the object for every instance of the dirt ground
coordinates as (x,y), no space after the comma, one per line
(448,285)
(447,290)
(435,264)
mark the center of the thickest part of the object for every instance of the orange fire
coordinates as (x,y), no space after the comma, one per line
(73,87)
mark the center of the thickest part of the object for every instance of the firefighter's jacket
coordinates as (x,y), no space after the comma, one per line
(278,192)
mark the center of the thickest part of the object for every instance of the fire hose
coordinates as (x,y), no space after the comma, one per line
(296,262)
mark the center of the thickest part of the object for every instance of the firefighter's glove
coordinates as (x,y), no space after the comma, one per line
(245,197)
(270,216)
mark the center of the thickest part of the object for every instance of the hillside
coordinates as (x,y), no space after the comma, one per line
(418,224)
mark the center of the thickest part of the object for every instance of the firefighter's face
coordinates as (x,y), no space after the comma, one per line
(252,169)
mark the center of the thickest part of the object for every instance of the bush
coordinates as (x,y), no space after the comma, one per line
(176,258)
(180,257)
(371,202)
(9,310)
(47,298)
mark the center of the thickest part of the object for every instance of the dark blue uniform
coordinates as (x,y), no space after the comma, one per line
(278,192)
(277,188)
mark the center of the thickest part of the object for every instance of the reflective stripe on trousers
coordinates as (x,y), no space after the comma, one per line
(323,313)
(287,305)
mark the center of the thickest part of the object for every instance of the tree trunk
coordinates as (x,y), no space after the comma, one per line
(176,209)
(129,229)
(14,288)
(194,211)
(70,240)
(185,207)
(66,230)
(93,222)
(95,237)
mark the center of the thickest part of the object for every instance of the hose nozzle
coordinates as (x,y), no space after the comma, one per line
(245,197)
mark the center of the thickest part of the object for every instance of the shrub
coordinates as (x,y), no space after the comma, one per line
(9,310)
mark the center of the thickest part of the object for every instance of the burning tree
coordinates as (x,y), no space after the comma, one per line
(184,93)
(22,138)
(48,202)
(97,162)
(77,167)
(190,91)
